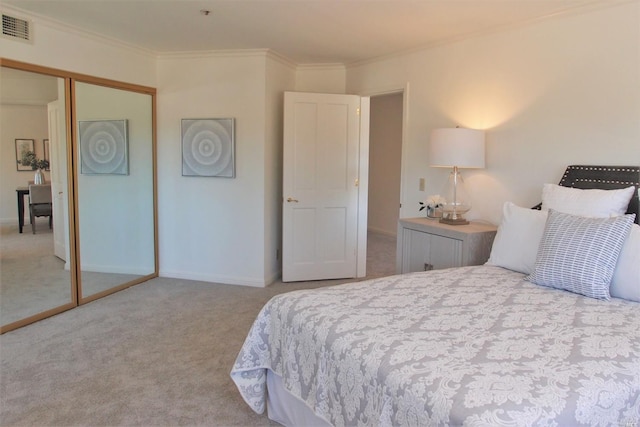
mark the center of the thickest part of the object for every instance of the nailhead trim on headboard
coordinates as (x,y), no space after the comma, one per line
(622,175)
(605,178)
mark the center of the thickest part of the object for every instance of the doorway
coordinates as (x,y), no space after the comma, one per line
(321,219)
(385,165)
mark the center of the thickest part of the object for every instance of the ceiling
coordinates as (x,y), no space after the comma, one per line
(305,31)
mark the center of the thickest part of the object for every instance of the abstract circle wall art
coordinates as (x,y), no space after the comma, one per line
(208,147)
(103,147)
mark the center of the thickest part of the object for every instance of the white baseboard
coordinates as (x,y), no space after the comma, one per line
(214,278)
(275,276)
(94,268)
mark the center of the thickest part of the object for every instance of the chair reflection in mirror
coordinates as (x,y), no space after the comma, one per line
(40,204)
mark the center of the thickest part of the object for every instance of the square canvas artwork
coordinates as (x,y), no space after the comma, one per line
(208,147)
(104,147)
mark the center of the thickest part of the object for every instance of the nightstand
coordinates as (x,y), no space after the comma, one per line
(426,244)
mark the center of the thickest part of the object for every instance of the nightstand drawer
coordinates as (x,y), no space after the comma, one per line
(425,244)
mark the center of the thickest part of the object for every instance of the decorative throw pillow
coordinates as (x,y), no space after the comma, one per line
(626,277)
(516,243)
(579,254)
(593,203)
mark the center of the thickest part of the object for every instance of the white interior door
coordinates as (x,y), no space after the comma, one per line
(58,166)
(321,187)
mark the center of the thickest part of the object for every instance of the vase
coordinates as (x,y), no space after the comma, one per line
(433,212)
(38,179)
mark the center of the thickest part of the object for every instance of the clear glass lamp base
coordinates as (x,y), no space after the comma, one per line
(457,200)
(453,221)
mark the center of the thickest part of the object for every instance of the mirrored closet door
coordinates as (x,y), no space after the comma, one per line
(99,138)
(114,154)
(35,263)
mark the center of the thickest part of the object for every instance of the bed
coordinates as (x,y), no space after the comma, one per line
(518,341)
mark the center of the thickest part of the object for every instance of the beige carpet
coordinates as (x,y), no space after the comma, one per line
(33,279)
(156,354)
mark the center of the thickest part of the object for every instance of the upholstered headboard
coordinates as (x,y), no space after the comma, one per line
(605,178)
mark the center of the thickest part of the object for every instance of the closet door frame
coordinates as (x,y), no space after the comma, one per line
(70,78)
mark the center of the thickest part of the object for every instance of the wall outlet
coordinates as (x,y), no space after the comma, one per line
(421,184)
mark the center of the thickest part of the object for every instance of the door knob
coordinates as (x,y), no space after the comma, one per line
(290,199)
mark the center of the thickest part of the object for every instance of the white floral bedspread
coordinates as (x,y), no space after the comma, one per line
(472,346)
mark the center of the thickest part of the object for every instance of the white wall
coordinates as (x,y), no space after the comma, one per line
(329,78)
(214,229)
(23,114)
(22,122)
(280,77)
(559,92)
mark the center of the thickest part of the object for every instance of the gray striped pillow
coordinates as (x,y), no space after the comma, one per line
(579,254)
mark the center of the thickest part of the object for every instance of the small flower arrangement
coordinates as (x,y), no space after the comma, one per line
(29,159)
(433,205)
(432,202)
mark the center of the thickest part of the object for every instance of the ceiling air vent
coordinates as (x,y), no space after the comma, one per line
(16,28)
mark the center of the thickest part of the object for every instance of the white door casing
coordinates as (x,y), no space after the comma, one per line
(58,167)
(321,183)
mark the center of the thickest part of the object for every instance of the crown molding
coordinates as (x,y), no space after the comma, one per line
(282,59)
(593,6)
(231,53)
(38,20)
(322,67)
(221,53)
(57,25)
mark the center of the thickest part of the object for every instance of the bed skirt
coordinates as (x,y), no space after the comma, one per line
(287,409)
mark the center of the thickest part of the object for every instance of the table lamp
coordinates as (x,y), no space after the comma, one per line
(456,148)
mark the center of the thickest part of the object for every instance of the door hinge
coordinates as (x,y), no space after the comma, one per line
(358,111)
(356,182)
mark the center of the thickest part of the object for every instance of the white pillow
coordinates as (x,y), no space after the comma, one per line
(516,243)
(579,254)
(626,277)
(592,203)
